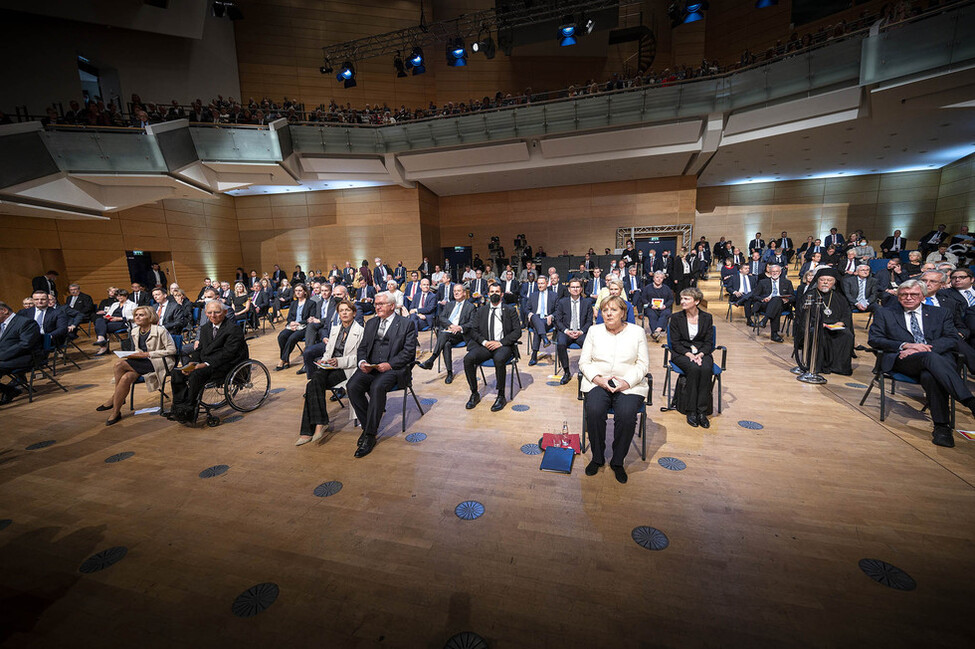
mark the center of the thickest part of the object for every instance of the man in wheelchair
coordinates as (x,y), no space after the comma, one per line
(218,349)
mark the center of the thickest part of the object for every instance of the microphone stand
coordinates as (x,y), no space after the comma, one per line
(814,307)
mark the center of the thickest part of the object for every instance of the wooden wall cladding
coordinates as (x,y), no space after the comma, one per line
(317,229)
(565,218)
(956,194)
(876,203)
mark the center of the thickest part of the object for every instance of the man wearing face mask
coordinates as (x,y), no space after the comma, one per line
(494,334)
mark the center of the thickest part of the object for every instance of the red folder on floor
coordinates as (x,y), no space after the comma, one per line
(559,440)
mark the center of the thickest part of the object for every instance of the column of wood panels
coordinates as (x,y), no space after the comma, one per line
(956,195)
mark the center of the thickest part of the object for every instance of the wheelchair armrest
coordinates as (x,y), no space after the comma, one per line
(724,356)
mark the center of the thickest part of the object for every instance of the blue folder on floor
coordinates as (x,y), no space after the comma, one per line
(557,460)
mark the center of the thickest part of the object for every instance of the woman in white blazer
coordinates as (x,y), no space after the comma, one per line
(154,356)
(614,364)
(334,368)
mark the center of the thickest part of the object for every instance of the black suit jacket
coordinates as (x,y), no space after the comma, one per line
(309,310)
(955,302)
(151,283)
(889,330)
(56,322)
(926,239)
(563,313)
(756,244)
(764,288)
(175,318)
(466,315)
(42,283)
(21,338)
(850,284)
(83,305)
(399,350)
(511,328)
(681,341)
(889,243)
(143,298)
(221,350)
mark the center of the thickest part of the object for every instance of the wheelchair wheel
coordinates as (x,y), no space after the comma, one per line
(247,386)
(213,395)
(213,421)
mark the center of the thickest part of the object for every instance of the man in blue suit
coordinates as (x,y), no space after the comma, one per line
(50,321)
(916,340)
(411,290)
(424,307)
(573,317)
(741,287)
(364,298)
(19,337)
(541,315)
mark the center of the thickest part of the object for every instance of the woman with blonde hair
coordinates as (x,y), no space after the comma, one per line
(614,363)
(614,288)
(154,356)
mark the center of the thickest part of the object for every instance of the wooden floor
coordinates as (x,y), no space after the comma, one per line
(766,527)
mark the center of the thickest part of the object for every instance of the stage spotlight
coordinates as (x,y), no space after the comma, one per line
(326,68)
(567,32)
(400,67)
(486,47)
(589,25)
(456,53)
(415,61)
(763,4)
(347,74)
(694,11)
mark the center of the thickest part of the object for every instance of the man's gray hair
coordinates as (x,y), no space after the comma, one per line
(74,286)
(859,266)
(942,277)
(913,283)
(386,296)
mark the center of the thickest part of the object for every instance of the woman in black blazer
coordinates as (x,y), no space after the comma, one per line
(691,344)
(282,299)
(302,307)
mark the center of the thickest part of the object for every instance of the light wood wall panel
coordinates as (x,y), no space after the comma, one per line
(318,229)
(565,218)
(956,195)
(190,238)
(876,203)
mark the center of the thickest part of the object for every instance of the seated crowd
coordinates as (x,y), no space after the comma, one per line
(359,325)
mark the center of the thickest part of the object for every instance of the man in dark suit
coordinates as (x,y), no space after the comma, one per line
(892,245)
(786,247)
(319,325)
(423,309)
(219,347)
(861,290)
(494,335)
(594,285)
(756,266)
(156,277)
(171,315)
(917,340)
(510,288)
(348,274)
(527,289)
(53,322)
(887,281)
(453,322)
(758,243)
(932,240)
(382,273)
(961,285)
(633,287)
(573,317)
(737,258)
(556,286)
(742,286)
(139,295)
(20,337)
(834,238)
(412,289)
(277,276)
(941,296)
(478,287)
(80,302)
(771,296)
(385,356)
(540,309)
(424,268)
(364,302)
(46,282)
(814,247)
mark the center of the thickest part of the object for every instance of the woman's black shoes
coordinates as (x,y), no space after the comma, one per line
(114,420)
(104,408)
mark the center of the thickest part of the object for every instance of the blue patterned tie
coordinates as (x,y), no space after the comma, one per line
(916,329)
(970,297)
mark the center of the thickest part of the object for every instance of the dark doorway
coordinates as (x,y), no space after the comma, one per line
(458,257)
(140,263)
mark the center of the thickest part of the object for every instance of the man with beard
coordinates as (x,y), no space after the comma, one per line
(494,335)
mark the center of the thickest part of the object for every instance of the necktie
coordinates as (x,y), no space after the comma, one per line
(745,285)
(754,268)
(382,328)
(575,315)
(159,312)
(74,298)
(897,244)
(775,288)
(3,327)
(929,301)
(39,317)
(862,293)
(916,329)
(413,292)
(423,297)
(455,314)
(850,265)
(970,296)
(633,283)
(494,312)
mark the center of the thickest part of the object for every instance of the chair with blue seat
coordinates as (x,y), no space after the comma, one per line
(459,345)
(880,378)
(641,431)
(877,265)
(513,364)
(671,367)
(178,342)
